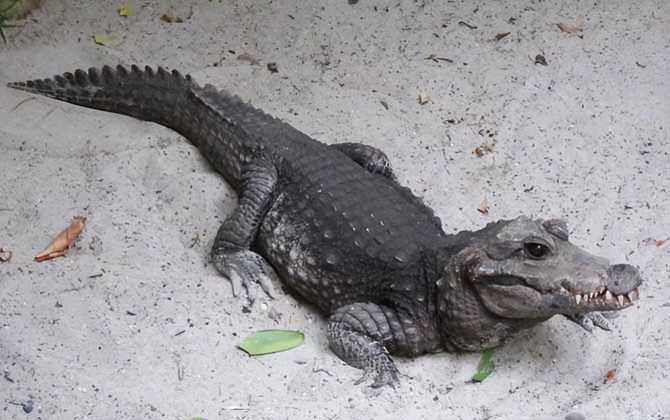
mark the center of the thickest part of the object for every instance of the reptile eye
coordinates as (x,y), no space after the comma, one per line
(536,250)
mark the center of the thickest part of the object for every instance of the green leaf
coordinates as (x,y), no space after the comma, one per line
(9,5)
(107,39)
(271,341)
(124,10)
(485,366)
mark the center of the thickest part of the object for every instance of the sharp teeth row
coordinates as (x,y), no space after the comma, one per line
(629,298)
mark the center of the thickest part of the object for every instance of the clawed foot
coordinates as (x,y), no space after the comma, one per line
(245,268)
(591,319)
(382,378)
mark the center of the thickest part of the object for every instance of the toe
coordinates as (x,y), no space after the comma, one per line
(384,378)
(235,283)
(601,322)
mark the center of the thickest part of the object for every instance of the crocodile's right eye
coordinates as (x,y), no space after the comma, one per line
(536,250)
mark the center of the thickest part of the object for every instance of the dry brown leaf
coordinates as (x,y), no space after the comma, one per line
(5,256)
(568,28)
(171,16)
(60,243)
(501,36)
(479,152)
(657,242)
(423,97)
(609,377)
(661,241)
(483,207)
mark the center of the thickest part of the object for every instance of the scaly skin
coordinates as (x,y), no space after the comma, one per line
(336,228)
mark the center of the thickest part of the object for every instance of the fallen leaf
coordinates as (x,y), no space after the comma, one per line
(423,97)
(657,242)
(483,207)
(271,341)
(609,377)
(568,28)
(60,243)
(5,256)
(124,10)
(107,39)
(170,16)
(539,59)
(478,151)
(273,67)
(485,366)
(501,36)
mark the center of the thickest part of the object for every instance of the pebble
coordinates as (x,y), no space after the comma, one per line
(575,416)
(28,406)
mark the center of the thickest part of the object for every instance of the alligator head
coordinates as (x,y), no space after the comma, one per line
(514,274)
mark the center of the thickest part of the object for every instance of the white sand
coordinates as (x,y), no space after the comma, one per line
(584,138)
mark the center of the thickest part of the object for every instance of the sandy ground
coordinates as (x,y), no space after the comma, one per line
(134,322)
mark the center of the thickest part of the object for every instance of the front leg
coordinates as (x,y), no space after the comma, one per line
(370,158)
(588,320)
(363,335)
(230,253)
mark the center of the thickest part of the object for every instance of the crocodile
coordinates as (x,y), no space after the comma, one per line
(332,224)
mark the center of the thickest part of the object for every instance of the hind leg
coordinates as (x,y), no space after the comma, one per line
(370,158)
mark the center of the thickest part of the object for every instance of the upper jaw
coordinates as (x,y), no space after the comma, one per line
(617,289)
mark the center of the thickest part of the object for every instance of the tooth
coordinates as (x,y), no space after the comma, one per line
(608,295)
(578,298)
(634,295)
(620,298)
(585,296)
(593,295)
(628,299)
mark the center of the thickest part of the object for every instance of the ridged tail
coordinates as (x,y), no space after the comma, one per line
(212,120)
(143,94)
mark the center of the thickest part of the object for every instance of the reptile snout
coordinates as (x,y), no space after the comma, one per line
(623,278)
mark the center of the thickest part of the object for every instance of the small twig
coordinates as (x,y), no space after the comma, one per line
(467,24)
(21,103)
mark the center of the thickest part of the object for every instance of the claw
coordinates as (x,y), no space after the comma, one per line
(600,321)
(591,319)
(244,268)
(381,378)
(384,377)
(235,283)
